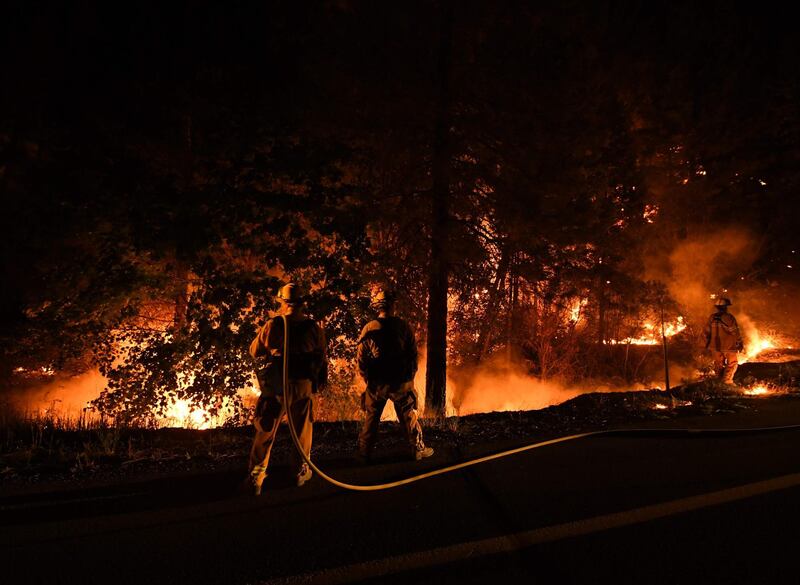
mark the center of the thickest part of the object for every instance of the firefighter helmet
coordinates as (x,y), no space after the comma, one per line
(382,298)
(290,294)
(720,301)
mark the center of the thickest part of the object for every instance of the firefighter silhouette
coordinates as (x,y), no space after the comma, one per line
(387,361)
(724,340)
(307,372)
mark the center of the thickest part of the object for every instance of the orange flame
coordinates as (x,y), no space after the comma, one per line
(757,343)
(184,413)
(759,390)
(652,333)
(576,310)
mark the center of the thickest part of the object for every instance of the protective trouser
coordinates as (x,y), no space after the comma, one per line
(270,411)
(725,365)
(373,401)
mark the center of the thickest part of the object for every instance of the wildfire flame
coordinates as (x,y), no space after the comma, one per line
(182,413)
(675,404)
(758,342)
(576,310)
(759,390)
(652,333)
(490,389)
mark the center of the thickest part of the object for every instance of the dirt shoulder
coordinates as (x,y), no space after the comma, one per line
(81,459)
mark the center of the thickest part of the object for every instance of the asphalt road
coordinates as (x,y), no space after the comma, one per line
(690,508)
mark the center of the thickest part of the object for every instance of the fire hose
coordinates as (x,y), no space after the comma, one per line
(479,460)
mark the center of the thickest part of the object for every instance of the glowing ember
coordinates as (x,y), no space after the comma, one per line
(47,371)
(675,404)
(650,212)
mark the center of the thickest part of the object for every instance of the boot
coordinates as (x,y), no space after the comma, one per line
(254,481)
(304,474)
(420,450)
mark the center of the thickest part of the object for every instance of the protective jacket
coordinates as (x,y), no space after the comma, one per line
(387,360)
(387,352)
(722,333)
(307,354)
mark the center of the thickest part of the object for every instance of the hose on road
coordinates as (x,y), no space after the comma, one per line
(479,460)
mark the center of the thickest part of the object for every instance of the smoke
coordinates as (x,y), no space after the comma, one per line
(500,385)
(497,388)
(68,398)
(692,270)
(702,265)
(723,259)
(64,397)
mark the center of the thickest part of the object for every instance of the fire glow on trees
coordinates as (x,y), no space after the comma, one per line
(576,311)
(490,388)
(544,376)
(239,192)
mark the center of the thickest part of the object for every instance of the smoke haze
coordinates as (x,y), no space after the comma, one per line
(702,265)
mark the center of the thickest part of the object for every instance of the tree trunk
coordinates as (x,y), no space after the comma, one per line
(490,314)
(601,313)
(181,273)
(602,304)
(436,371)
(512,310)
(181,270)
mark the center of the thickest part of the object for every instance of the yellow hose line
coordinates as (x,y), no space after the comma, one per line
(471,462)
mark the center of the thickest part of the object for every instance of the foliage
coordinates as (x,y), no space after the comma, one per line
(149,233)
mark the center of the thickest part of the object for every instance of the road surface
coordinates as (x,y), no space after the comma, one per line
(638,509)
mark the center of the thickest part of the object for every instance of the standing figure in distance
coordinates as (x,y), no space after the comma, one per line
(724,340)
(308,369)
(387,361)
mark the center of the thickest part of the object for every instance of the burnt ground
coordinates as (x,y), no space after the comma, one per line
(45,459)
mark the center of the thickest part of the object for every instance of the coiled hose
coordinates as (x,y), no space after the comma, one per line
(477,461)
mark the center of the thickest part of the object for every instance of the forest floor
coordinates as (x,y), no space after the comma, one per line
(33,459)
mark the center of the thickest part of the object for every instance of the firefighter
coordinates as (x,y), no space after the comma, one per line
(724,340)
(307,372)
(387,361)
